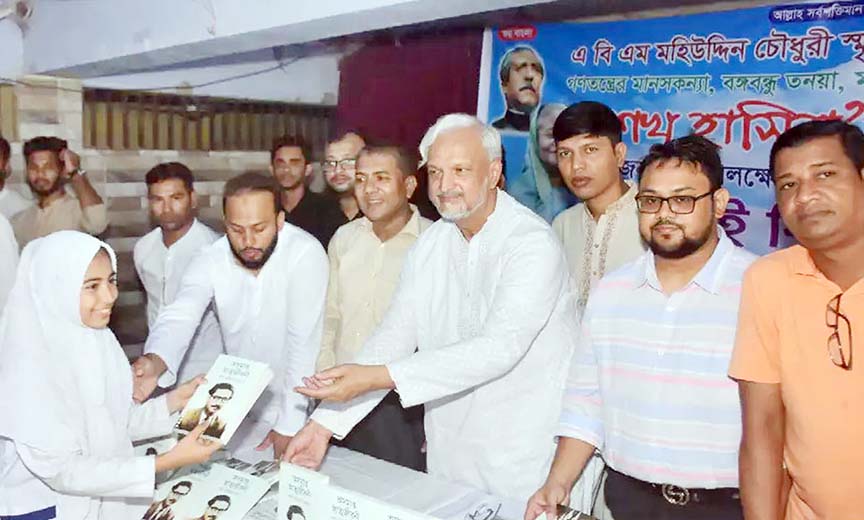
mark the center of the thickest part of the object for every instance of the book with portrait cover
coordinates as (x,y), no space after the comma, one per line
(216,492)
(265,469)
(155,446)
(267,508)
(233,385)
(344,504)
(303,494)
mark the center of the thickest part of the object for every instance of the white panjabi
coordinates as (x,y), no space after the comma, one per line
(493,325)
(68,415)
(8,260)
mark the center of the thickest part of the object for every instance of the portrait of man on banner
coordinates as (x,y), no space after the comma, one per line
(521,73)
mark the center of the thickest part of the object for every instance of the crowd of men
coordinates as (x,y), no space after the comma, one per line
(629,350)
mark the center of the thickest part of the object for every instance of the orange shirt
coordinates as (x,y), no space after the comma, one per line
(782,338)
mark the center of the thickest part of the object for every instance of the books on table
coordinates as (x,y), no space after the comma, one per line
(215,492)
(303,494)
(233,385)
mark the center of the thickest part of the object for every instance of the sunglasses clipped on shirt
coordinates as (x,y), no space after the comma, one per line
(839,344)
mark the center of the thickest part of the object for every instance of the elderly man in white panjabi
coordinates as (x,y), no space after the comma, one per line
(485,299)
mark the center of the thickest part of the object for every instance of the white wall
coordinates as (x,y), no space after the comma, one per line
(11,50)
(102,37)
(311,80)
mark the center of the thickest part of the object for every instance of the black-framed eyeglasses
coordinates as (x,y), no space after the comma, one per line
(679,204)
(345,164)
(839,351)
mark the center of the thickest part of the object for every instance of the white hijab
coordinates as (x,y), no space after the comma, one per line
(62,384)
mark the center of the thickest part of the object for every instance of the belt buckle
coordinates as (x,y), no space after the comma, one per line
(675,495)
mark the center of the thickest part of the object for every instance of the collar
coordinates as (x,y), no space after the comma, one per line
(625,202)
(519,120)
(412,227)
(802,263)
(61,198)
(503,205)
(709,278)
(192,229)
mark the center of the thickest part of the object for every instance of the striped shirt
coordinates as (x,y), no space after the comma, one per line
(648,384)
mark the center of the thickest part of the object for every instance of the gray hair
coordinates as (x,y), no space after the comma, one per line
(489,136)
(507,59)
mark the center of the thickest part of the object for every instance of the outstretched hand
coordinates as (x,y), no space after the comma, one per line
(345,382)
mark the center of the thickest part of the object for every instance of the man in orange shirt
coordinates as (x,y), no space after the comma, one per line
(802,311)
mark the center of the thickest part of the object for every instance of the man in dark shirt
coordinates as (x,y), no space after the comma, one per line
(317,214)
(521,73)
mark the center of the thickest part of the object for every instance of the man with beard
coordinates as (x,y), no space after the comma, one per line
(521,74)
(479,330)
(340,159)
(50,167)
(161,257)
(161,510)
(267,281)
(366,257)
(648,384)
(310,211)
(220,394)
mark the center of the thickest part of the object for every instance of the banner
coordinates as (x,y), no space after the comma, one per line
(739,77)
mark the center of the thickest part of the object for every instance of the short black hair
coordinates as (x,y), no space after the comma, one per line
(44,144)
(406,160)
(219,498)
(252,181)
(221,386)
(506,61)
(294,510)
(5,151)
(185,483)
(170,170)
(587,118)
(294,141)
(694,149)
(851,137)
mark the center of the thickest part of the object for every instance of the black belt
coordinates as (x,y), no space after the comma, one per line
(680,496)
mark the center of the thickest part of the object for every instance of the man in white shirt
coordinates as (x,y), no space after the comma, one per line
(366,257)
(485,300)
(51,165)
(162,255)
(11,202)
(268,281)
(8,260)
(601,233)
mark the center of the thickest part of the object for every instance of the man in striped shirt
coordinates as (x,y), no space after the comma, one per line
(648,384)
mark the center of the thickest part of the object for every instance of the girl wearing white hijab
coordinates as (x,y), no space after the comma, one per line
(67,419)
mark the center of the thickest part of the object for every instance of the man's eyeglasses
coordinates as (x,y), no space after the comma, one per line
(345,164)
(839,345)
(221,398)
(679,204)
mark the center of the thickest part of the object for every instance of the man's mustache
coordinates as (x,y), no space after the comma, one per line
(665,222)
